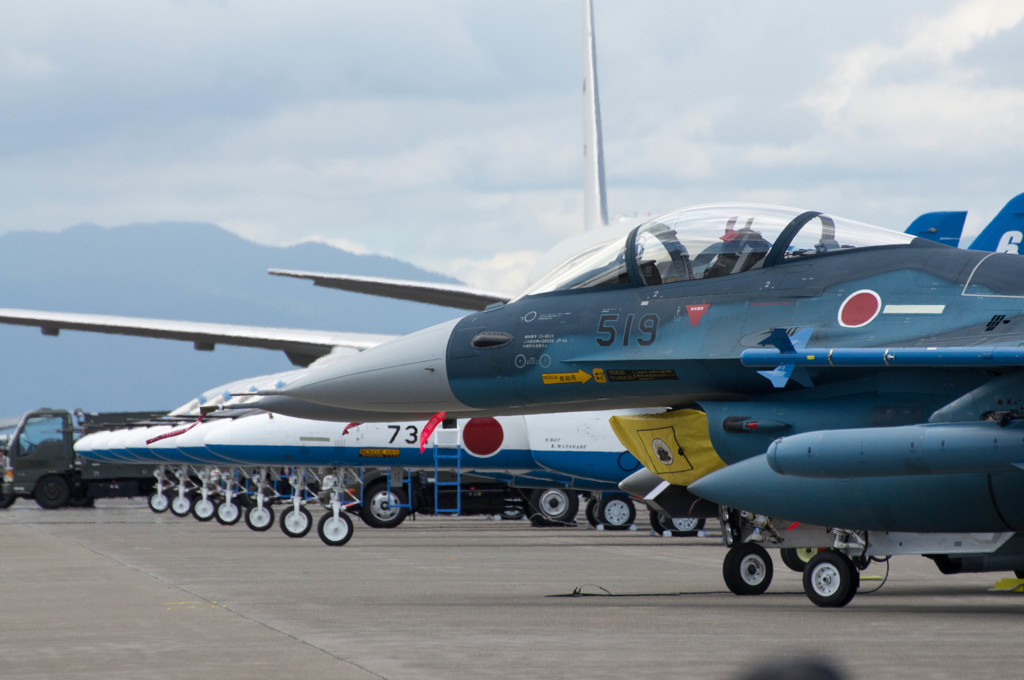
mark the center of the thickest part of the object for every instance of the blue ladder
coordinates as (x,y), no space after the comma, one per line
(444,439)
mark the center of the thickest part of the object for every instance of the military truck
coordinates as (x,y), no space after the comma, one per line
(38,461)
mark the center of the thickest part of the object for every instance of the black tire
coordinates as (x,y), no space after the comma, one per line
(591,512)
(181,506)
(204,510)
(334,533)
(379,510)
(228,514)
(296,524)
(747,569)
(676,526)
(159,502)
(616,512)
(52,492)
(796,558)
(1019,573)
(831,579)
(81,502)
(7,501)
(556,505)
(258,520)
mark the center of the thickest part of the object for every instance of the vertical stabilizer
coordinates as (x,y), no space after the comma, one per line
(595,208)
(1005,233)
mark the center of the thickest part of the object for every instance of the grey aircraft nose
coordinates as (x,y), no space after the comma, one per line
(404,376)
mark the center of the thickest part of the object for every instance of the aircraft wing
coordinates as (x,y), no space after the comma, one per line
(301,346)
(443,294)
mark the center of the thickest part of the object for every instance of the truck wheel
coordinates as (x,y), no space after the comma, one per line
(616,512)
(334,532)
(159,502)
(52,492)
(381,511)
(7,501)
(296,524)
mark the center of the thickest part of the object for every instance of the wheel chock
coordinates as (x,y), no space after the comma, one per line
(1009,585)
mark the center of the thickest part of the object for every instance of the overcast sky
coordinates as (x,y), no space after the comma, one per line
(448,133)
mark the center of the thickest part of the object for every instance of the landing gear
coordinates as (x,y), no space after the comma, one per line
(676,526)
(259,517)
(204,509)
(747,569)
(557,506)
(228,512)
(334,529)
(831,579)
(181,505)
(381,508)
(159,502)
(296,522)
(615,512)
(797,558)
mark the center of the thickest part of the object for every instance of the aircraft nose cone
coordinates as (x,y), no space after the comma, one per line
(406,375)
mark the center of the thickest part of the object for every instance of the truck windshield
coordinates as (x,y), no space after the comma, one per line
(38,431)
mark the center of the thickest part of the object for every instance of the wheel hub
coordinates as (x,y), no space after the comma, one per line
(825,580)
(752,570)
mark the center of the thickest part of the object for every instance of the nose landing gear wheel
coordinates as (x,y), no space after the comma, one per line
(747,569)
(334,531)
(181,506)
(259,519)
(159,502)
(296,524)
(228,513)
(558,506)
(831,579)
(203,509)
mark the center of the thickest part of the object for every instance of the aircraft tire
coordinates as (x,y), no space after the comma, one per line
(557,506)
(616,512)
(379,510)
(228,513)
(52,492)
(747,569)
(797,558)
(591,512)
(259,519)
(296,524)
(831,579)
(181,506)
(334,532)
(204,509)
(159,502)
(676,526)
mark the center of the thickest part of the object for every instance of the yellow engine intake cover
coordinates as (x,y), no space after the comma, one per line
(674,445)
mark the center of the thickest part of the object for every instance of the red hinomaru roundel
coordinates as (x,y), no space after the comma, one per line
(482,436)
(859,309)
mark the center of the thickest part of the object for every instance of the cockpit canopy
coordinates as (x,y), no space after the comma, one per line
(706,241)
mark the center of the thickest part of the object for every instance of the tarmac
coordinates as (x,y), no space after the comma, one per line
(117,591)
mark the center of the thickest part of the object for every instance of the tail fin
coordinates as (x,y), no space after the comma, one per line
(941,227)
(1005,233)
(595,208)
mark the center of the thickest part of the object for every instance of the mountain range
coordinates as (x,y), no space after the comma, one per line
(168,270)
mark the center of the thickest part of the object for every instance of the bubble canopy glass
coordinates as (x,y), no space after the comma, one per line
(707,241)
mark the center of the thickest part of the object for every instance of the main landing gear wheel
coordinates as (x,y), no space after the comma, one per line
(831,579)
(159,502)
(296,523)
(228,513)
(558,506)
(677,526)
(334,531)
(616,512)
(797,558)
(259,519)
(181,506)
(381,510)
(591,512)
(747,569)
(204,509)
(52,492)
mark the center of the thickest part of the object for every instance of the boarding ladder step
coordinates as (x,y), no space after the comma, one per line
(447,453)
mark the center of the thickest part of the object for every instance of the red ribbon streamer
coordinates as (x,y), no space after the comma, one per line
(429,428)
(175,433)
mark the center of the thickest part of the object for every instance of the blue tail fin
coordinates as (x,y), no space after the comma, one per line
(941,227)
(1005,233)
